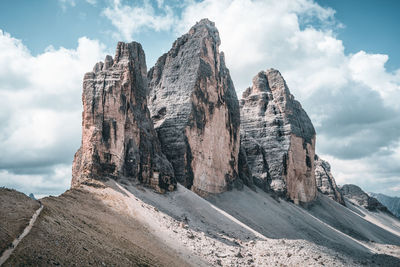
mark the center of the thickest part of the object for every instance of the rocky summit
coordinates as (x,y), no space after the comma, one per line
(278,137)
(326,184)
(357,196)
(118,137)
(195,111)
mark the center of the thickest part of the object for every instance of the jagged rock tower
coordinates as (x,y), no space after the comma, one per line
(195,110)
(118,137)
(278,137)
(326,184)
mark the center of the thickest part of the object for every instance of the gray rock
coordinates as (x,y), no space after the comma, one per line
(278,137)
(326,183)
(195,110)
(392,203)
(357,196)
(118,137)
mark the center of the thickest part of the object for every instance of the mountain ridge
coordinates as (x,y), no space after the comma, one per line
(174,170)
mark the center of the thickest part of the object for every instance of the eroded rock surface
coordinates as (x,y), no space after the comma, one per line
(195,110)
(326,183)
(357,196)
(118,137)
(278,137)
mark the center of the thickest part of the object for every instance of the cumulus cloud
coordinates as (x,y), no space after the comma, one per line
(132,19)
(41,112)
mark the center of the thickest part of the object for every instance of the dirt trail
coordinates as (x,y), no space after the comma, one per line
(7,253)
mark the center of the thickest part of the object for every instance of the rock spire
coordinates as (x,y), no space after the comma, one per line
(326,184)
(278,137)
(195,110)
(118,138)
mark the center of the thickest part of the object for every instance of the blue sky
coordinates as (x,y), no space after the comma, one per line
(369,25)
(340,59)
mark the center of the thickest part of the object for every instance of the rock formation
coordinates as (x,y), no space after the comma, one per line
(326,184)
(195,111)
(392,203)
(278,137)
(118,137)
(357,196)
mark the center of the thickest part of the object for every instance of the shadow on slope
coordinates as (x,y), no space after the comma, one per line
(356,222)
(199,214)
(282,219)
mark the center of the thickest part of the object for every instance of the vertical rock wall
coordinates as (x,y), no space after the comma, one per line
(278,137)
(195,111)
(118,138)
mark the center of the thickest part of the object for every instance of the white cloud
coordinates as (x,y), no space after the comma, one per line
(369,69)
(130,20)
(53,183)
(40,110)
(72,3)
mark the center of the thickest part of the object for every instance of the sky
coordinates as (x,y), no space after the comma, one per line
(340,59)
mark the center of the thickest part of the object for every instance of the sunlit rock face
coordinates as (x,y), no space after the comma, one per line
(195,111)
(118,137)
(326,183)
(278,137)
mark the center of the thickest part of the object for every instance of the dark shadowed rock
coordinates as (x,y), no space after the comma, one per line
(118,138)
(245,174)
(326,184)
(195,110)
(357,196)
(278,137)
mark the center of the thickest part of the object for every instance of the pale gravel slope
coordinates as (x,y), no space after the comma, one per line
(266,233)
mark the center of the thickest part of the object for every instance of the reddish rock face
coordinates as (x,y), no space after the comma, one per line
(118,138)
(326,184)
(195,110)
(278,137)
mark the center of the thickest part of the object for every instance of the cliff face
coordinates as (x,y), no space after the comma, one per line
(118,138)
(278,137)
(195,110)
(326,184)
